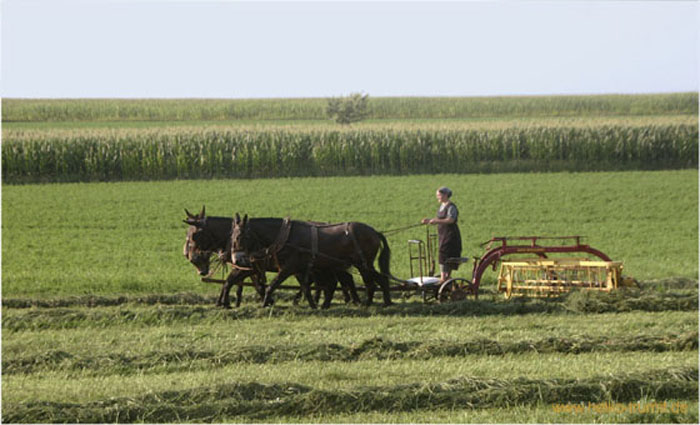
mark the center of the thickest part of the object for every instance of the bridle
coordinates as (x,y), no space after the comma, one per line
(210,254)
(249,242)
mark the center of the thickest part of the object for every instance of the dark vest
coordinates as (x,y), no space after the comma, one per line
(450,239)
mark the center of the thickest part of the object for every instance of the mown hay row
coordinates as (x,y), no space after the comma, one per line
(583,302)
(670,288)
(372,349)
(255,401)
(106,301)
(270,153)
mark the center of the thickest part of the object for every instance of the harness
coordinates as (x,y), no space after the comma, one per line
(282,238)
(356,245)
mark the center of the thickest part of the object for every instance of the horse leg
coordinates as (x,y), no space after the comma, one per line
(317,294)
(348,286)
(327,281)
(259,281)
(224,297)
(305,283)
(384,284)
(369,286)
(276,282)
(239,295)
(297,296)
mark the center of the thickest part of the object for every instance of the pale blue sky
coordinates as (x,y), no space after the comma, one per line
(228,49)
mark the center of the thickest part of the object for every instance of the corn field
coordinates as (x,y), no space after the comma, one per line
(53,110)
(215,153)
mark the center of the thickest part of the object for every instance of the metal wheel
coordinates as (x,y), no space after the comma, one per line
(456,289)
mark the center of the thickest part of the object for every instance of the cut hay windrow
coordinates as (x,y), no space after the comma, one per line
(583,302)
(680,287)
(372,349)
(17,320)
(256,402)
(277,153)
(106,301)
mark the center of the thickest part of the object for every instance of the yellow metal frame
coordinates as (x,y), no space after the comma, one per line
(537,277)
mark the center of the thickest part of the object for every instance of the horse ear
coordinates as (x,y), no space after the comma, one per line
(238,218)
(245,219)
(192,221)
(189,214)
(201,214)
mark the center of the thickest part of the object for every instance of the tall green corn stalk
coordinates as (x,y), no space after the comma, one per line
(37,110)
(277,153)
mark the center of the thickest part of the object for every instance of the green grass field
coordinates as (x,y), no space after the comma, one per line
(104,320)
(213,366)
(119,238)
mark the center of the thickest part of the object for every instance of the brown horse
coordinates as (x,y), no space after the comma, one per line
(212,235)
(298,247)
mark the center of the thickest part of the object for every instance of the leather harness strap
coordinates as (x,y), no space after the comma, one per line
(314,243)
(358,251)
(271,251)
(285,229)
(281,239)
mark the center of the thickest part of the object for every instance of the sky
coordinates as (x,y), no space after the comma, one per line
(264,49)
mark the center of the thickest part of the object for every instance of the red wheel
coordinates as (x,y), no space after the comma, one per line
(456,289)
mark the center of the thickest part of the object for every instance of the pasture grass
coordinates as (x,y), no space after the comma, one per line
(126,238)
(187,344)
(313,329)
(104,320)
(389,392)
(685,412)
(196,367)
(71,318)
(84,386)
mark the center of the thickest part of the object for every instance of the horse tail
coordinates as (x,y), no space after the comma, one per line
(385,257)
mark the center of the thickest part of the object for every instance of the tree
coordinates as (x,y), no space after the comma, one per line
(348,109)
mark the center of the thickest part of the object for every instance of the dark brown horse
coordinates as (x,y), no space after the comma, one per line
(212,235)
(298,247)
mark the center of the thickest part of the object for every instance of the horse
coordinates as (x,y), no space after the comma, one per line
(298,247)
(209,235)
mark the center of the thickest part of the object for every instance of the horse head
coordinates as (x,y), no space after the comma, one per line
(241,241)
(200,243)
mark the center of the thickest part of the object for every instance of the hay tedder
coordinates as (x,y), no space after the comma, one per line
(535,267)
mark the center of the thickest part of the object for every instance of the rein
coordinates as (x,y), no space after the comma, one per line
(220,262)
(400,229)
